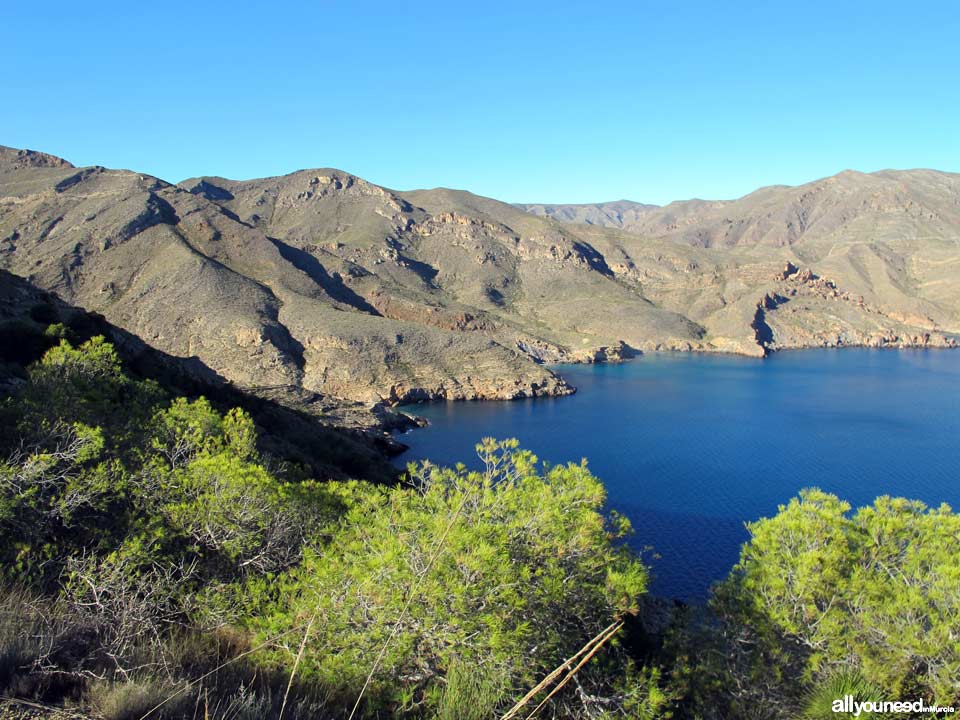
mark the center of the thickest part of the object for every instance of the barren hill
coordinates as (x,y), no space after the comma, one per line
(849,206)
(185,275)
(320,281)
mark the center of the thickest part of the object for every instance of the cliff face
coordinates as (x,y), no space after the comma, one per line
(324,283)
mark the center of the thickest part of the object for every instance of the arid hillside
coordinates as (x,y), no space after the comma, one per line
(322,282)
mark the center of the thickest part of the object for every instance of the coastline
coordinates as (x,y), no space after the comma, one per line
(619,360)
(407,421)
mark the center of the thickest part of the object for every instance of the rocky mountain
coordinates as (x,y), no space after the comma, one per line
(324,283)
(878,254)
(845,207)
(193,280)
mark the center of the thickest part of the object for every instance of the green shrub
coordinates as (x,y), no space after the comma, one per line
(874,593)
(509,570)
(817,703)
(142,514)
(468,694)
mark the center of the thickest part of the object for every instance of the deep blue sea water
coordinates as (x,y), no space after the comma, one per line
(692,446)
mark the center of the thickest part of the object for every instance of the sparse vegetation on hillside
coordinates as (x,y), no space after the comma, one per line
(322,282)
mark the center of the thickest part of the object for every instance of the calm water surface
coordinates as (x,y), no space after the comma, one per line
(692,446)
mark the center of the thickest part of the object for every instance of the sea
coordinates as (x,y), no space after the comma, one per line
(691,447)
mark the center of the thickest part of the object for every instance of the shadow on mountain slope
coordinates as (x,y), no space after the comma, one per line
(293,430)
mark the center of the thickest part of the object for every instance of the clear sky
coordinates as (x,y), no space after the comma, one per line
(523,101)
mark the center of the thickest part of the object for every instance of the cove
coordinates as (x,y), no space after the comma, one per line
(692,446)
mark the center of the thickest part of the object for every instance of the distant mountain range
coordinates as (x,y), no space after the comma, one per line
(622,214)
(849,206)
(322,282)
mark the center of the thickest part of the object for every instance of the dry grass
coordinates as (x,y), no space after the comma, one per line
(194,675)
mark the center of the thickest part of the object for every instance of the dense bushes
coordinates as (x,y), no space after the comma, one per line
(134,516)
(501,574)
(151,554)
(824,599)
(877,592)
(133,520)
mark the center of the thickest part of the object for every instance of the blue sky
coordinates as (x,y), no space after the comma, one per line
(547,102)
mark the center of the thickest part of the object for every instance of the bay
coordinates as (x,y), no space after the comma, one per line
(691,446)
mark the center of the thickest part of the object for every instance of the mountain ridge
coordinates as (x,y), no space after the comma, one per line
(606,215)
(322,281)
